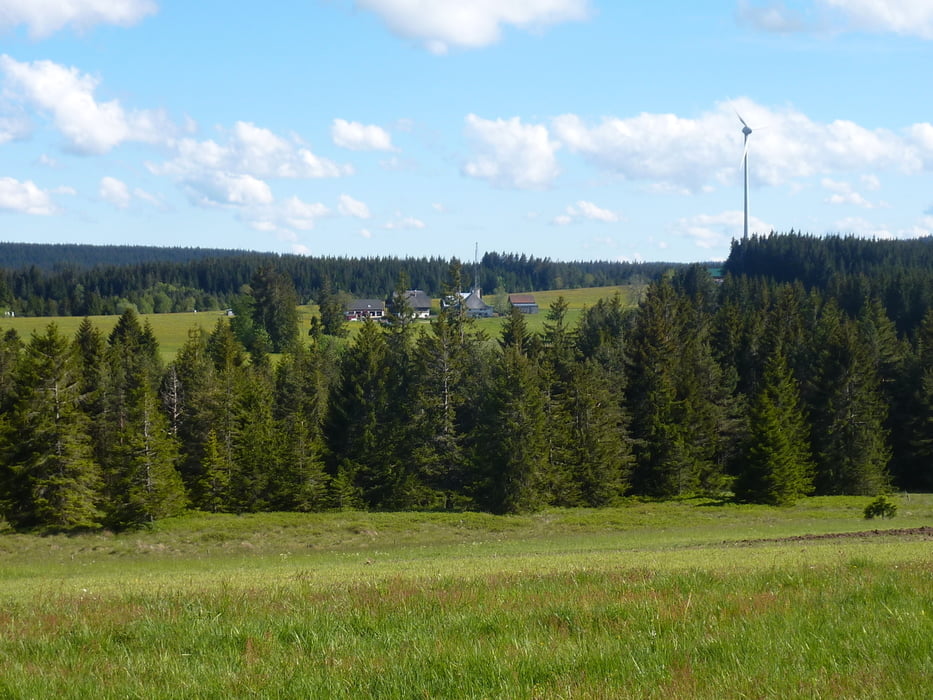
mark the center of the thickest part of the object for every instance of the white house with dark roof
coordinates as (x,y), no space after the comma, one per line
(361,309)
(419,302)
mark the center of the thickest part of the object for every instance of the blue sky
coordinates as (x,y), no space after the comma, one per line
(569,129)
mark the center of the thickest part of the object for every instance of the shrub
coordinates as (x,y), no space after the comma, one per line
(881,507)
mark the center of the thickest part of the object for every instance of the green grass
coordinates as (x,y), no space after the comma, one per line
(171,330)
(650,600)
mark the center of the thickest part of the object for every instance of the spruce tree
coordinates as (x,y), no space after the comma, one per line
(136,448)
(513,451)
(776,466)
(51,480)
(364,470)
(848,412)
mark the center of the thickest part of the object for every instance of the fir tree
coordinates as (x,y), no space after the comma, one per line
(513,451)
(848,412)
(776,464)
(136,448)
(51,480)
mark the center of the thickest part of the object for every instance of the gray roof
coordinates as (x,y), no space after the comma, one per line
(366,305)
(418,299)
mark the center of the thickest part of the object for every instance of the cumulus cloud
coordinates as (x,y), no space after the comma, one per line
(13,127)
(115,191)
(228,189)
(511,154)
(400,222)
(233,171)
(252,150)
(285,217)
(118,193)
(67,97)
(441,24)
(844,193)
(24,198)
(45,17)
(360,137)
(352,207)
(772,17)
(905,17)
(585,210)
(716,231)
(694,154)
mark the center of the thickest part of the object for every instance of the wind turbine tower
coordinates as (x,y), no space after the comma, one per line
(747,131)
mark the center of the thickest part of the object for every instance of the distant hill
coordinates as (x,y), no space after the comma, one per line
(54,256)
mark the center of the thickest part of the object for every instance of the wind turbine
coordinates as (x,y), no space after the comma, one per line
(747,131)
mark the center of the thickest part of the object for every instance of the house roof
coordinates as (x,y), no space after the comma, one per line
(522,299)
(475,301)
(418,299)
(366,305)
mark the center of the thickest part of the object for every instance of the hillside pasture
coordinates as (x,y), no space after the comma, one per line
(697,598)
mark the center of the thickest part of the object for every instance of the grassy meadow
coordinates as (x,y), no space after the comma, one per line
(688,599)
(171,330)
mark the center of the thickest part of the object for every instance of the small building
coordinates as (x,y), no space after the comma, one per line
(361,309)
(524,302)
(475,306)
(419,302)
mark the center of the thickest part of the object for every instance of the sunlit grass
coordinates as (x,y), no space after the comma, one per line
(650,600)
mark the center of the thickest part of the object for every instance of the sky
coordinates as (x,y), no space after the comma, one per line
(565,129)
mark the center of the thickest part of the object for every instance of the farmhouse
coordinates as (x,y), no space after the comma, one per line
(360,309)
(419,302)
(475,306)
(524,302)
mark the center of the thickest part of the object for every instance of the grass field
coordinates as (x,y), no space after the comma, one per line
(171,330)
(690,599)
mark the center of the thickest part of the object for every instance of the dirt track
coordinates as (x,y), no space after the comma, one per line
(914,533)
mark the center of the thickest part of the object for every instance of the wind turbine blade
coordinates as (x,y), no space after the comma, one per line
(740,118)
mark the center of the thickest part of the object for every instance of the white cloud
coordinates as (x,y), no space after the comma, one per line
(13,127)
(772,17)
(442,24)
(588,210)
(510,153)
(45,17)
(404,222)
(843,193)
(284,218)
(360,137)
(351,207)
(585,210)
(252,150)
(115,191)
(233,172)
(716,231)
(905,17)
(24,198)
(910,17)
(674,152)
(228,189)
(67,96)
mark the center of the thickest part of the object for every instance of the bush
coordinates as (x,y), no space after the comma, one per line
(881,507)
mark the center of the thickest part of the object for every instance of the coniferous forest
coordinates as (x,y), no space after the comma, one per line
(807,369)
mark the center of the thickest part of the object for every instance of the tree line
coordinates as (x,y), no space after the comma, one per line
(752,389)
(164,280)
